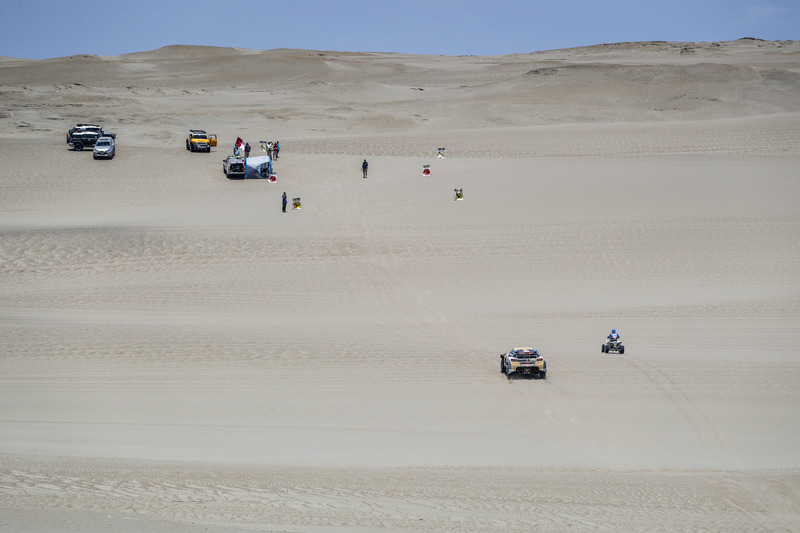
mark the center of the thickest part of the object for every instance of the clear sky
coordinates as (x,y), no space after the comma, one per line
(39,29)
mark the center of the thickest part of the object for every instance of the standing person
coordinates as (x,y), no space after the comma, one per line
(247,149)
(284,202)
(276,148)
(364,167)
(269,149)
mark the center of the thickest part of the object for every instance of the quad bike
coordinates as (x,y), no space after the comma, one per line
(613,346)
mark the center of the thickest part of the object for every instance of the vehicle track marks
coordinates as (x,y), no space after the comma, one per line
(702,425)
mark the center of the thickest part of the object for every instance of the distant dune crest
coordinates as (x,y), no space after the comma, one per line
(638,82)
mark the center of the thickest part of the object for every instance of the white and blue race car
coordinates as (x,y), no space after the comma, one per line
(523,361)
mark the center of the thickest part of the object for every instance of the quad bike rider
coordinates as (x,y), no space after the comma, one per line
(613,344)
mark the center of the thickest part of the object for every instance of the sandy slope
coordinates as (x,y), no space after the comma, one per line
(179,355)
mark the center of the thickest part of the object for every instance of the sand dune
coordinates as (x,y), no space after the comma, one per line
(179,355)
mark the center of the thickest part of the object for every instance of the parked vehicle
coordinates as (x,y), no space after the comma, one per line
(523,361)
(200,141)
(82,136)
(233,167)
(105,148)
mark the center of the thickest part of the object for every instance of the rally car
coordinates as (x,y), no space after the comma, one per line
(523,361)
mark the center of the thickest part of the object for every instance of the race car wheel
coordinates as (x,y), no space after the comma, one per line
(621,350)
(502,365)
(542,375)
(603,348)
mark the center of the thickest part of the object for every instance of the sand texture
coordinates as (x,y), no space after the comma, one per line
(179,355)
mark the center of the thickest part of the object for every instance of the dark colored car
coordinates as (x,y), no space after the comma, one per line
(85,135)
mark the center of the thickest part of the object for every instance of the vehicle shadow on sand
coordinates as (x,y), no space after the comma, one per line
(536,377)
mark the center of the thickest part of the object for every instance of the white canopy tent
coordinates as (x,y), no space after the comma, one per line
(258,167)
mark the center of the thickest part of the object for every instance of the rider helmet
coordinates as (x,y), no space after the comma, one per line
(613,331)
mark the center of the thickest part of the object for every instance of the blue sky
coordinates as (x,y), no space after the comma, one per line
(38,29)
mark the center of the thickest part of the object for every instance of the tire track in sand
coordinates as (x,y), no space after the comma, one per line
(697,419)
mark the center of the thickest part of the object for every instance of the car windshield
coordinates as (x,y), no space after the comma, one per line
(103,143)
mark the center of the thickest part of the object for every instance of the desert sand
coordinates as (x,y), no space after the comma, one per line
(180,355)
